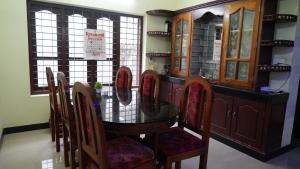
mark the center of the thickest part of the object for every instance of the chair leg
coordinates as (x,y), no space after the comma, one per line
(66,146)
(57,134)
(178,165)
(203,161)
(51,126)
(82,160)
(72,153)
(168,164)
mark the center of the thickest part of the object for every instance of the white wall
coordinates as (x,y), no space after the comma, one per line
(291,55)
(286,31)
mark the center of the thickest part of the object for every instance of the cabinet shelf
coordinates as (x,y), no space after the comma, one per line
(280,18)
(161,12)
(158,54)
(277,43)
(159,33)
(274,68)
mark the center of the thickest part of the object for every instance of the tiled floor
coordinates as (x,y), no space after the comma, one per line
(34,150)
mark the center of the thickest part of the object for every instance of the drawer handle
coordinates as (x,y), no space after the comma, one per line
(234,114)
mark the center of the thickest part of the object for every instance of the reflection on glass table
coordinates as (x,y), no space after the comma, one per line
(128,107)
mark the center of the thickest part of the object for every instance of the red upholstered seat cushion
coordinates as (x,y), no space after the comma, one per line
(176,141)
(192,107)
(126,153)
(149,85)
(122,79)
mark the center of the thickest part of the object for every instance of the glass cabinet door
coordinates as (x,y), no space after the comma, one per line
(178,37)
(181,44)
(241,32)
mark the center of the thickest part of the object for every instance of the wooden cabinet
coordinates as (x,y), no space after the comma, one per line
(171,92)
(181,45)
(247,121)
(221,114)
(165,91)
(239,48)
(238,118)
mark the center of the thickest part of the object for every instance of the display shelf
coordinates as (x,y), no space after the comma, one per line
(280,18)
(277,43)
(158,54)
(159,33)
(161,12)
(274,68)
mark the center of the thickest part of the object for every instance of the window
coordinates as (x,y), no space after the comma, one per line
(46,45)
(105,68)
(56,40)
(129,44)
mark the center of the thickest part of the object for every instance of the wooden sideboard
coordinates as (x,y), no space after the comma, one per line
(246,120)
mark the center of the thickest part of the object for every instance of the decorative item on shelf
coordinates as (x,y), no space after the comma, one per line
(279,67)
(98,87)
(158,54)
(281,18)
(159,33)
(277,43)
(168,26)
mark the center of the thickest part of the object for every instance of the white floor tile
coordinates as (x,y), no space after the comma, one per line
(34,150)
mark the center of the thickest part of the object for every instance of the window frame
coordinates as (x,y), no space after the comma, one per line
(62,12)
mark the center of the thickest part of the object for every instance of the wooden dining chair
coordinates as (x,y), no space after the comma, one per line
(123,78)
(94,150)
(124,96)
(55,110)
(177,144)
(68,121)
(149,84)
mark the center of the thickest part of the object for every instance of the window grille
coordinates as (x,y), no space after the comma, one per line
(56,41)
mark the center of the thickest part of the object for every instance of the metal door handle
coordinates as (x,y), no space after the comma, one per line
(234,114)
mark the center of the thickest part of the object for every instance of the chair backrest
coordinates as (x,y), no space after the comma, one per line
(149,106)
(52,90)
(89,127)
(123,78)
(149,84)
(124,96)
(195,106)
(65,102)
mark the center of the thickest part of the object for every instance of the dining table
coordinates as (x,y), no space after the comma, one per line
(126,112)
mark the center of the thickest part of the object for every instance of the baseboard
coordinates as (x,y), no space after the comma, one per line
(257,155)
(30,127)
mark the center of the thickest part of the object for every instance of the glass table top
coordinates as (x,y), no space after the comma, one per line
(128,106)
